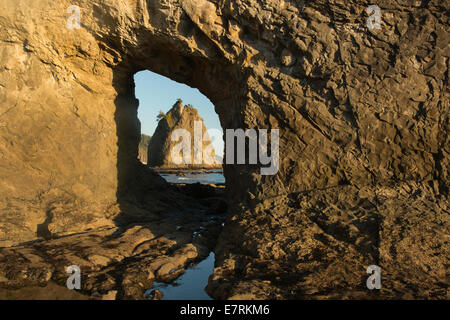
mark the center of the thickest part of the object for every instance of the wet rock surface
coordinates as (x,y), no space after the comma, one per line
(118,262)
(364,144)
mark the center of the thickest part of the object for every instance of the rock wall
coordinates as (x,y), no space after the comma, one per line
(363,119)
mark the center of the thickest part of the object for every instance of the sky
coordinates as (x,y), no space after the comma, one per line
(156,93)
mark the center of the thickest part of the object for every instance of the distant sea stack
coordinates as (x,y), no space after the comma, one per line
(161,150)
(143,148)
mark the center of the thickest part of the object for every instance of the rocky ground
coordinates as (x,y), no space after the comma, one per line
(117,262)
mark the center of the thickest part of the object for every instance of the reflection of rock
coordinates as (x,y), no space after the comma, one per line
(162,145)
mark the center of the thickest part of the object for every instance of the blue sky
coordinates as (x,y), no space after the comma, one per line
(157,93)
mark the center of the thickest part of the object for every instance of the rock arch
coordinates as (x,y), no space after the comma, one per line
(364,146)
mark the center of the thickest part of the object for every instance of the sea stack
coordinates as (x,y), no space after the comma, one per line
(179,127)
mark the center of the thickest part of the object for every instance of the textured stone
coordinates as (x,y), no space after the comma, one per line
(182,129)
(115,263)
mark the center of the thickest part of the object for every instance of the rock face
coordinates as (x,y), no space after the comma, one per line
(363,118)
(166,143)
(116,263)
(143,148)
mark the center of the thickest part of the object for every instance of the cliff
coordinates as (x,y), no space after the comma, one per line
(173,143)
(363,115)
(143,148)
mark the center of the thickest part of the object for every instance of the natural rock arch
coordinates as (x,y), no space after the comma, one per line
(364,120)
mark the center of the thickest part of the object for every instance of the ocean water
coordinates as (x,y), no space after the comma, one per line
(208,177)
(191,285)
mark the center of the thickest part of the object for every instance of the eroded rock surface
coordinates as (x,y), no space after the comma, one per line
(363,115)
